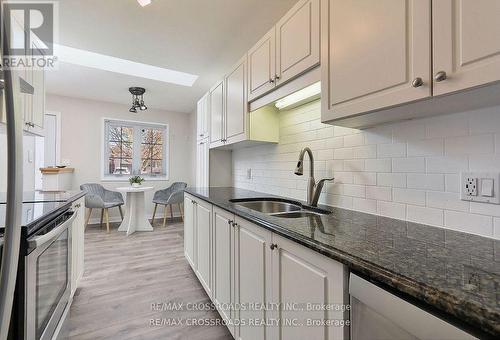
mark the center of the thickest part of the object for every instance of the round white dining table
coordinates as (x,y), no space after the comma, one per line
(135,214)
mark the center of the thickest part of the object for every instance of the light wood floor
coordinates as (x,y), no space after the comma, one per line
(124,276)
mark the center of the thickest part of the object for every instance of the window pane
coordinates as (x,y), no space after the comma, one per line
(145,167)
(126,150)
(157,167)
(127,134)
(125,166)
(157,152)
(113,165)
(152,136)
(115,134)
(115,149)
(145,151)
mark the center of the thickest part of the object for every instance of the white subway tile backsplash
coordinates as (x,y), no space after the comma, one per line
(409,196)
(472,145)
(391,209)
(361,204)
(379,193)
(391,150)
(378,165)
(470,223)
(415,164)
(425,215)
(407,170)
(425,181)
(426,147)
(451,165)
(391,180)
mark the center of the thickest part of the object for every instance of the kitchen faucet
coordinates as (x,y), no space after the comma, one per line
(313,189)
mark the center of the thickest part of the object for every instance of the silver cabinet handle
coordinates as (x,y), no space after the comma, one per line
(417,82)
(273,246)
(271,80)
(276,77)
(230,222)
(440,76)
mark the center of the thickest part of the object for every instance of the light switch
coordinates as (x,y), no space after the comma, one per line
(487,187)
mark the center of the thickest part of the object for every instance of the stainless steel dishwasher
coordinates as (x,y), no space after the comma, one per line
(377,314)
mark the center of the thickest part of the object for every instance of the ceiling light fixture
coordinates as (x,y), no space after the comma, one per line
(103,62)
(144,2)
(137,99)
(300,97)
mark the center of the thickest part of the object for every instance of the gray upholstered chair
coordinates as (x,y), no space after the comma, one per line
(100,198)
(172,195)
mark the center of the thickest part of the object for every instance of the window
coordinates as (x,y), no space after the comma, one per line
(132,148)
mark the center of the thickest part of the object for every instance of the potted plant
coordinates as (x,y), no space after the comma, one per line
(136,181)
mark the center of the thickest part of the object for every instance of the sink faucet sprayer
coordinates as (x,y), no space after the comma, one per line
(313,189)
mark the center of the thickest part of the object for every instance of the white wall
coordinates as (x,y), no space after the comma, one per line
(81,123)
(408,170)
(28,161)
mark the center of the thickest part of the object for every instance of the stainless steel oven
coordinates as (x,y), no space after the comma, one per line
(48,277)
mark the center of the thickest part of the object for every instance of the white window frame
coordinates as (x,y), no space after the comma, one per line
(136,149)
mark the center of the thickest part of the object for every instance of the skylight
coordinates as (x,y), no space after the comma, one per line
(107,63)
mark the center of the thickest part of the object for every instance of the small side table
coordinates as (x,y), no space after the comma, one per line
(135,214)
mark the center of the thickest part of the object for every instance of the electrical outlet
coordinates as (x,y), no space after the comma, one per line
(480,187)
(470,186)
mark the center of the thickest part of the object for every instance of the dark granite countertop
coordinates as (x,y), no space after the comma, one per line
(452,274)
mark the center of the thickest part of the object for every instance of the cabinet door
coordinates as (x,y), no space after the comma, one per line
(189,231)
(370,61)
(236,103)
(253,274)
(262,66)
(223,261)
(202,164)
(217,115)
(298,40)
(199,115)
(77,244)
(203,244)
(466,43)
(202,119)
(38,98)
(302,277)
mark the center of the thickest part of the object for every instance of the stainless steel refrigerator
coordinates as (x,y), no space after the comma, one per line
(10,88)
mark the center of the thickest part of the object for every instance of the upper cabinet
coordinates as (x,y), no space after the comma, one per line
(466,44)
(203,118)
(261,65)
(377,55)
(374,60)
(289,49)
(236,103)
(298,40)
(217,115)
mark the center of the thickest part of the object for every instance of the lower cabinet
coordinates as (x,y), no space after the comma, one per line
(77,244)
(264,285)
(189,231)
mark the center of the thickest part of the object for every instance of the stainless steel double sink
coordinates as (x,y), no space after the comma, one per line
(279,207)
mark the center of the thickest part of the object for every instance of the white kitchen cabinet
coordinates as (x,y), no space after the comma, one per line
(203,118)
(302,277)
(262,65)
(253,278)
(190,231)
(202,163)
(77,244)
(466,44)
(203,241)
(298,40)
(217,115)
(376,54)
(236,108)
(38,98)
(223,263)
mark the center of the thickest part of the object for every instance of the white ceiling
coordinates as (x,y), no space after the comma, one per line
(202,37)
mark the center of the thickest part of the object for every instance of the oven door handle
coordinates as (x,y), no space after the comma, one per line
(42,239)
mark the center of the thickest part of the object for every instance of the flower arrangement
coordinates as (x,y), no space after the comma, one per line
(136,181)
